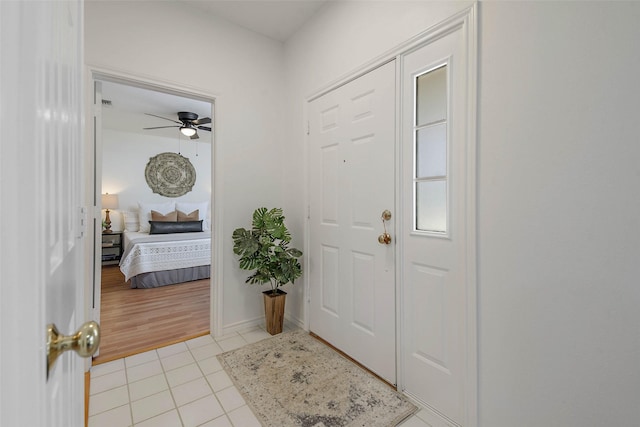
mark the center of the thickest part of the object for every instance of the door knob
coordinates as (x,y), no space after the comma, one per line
(385,238)
(85,342)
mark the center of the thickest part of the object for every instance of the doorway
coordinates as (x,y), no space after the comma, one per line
(123,107)
(431,173)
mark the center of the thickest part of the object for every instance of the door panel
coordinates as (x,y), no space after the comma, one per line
(61,178)
(434,237)
(41,196)
(352,279)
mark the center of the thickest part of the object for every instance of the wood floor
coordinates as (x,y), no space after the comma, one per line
(137,320)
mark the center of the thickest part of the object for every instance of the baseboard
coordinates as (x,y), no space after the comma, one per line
(430,415)
(293,322)
(243,325)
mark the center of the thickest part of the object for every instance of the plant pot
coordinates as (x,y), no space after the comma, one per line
(274,310)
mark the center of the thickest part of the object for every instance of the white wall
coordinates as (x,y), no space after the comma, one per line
(558,185)
(243,71)
(559,214)
(124,158)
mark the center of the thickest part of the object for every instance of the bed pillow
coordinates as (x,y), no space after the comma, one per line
(192,216)
(144,213)
(171,216)
(131,221)
(202,207)
(164,227)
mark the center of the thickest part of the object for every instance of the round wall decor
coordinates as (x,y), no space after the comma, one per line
(170,174)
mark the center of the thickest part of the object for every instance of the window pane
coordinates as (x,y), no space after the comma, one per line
(431,206)
(432,96)
(431,147)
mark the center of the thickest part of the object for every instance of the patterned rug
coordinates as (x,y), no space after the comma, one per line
(293,379)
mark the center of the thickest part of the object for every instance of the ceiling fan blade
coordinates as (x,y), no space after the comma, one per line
(160,117)
(195,136)
(202,121)
(161,127)
(205,128)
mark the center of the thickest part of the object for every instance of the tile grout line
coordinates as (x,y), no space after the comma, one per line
(224,412)
(173,398)
(190,350)
(126,376)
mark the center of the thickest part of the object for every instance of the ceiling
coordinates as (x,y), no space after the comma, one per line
(128,105)
(276,19)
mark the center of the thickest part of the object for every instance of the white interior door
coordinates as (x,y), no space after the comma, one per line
(352,275)
(40,199)
(435,225)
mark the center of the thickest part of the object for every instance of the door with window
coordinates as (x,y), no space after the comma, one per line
(352,182)
(435,225)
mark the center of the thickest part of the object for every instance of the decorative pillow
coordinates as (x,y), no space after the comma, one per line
(193,216)
(144,213)
(131,221)
(171,216)
(202,207)
(164,227)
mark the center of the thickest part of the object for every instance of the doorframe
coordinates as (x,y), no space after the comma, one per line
(466,20)
(98,73)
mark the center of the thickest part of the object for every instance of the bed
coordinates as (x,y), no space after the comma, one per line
(153,260)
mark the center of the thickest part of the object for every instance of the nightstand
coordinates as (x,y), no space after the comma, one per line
(112,248)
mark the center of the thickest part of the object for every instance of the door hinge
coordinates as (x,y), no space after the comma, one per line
(308,128)
(82,222)
(308,211)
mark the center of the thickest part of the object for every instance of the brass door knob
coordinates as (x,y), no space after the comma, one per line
(384,238)
(85,342)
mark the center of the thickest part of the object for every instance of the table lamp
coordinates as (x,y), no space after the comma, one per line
(109,201)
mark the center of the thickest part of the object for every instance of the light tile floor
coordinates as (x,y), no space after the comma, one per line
(179,385)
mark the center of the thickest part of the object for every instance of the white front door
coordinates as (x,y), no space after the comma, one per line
(435,237)
(352,275)
(41,178)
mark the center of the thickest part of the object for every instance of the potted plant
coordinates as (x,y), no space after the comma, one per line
(265,249)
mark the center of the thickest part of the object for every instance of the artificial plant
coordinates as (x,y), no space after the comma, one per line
(265,249)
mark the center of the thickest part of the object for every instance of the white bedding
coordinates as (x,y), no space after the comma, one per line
(144,252)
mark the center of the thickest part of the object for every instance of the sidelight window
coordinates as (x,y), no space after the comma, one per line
(430,151)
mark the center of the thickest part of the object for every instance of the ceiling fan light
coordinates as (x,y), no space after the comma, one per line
(187,130)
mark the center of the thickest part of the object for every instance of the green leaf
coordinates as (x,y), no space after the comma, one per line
(244,242)
(258,218)
(294,252)
(265,249)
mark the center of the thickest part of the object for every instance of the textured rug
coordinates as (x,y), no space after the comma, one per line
(293,379)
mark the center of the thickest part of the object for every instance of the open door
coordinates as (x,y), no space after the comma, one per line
(41,213)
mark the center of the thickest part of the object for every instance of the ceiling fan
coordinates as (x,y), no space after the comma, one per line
(188,124)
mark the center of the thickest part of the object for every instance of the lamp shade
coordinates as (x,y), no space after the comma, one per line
(109,201)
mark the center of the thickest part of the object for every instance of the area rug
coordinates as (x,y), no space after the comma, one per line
(293,379)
